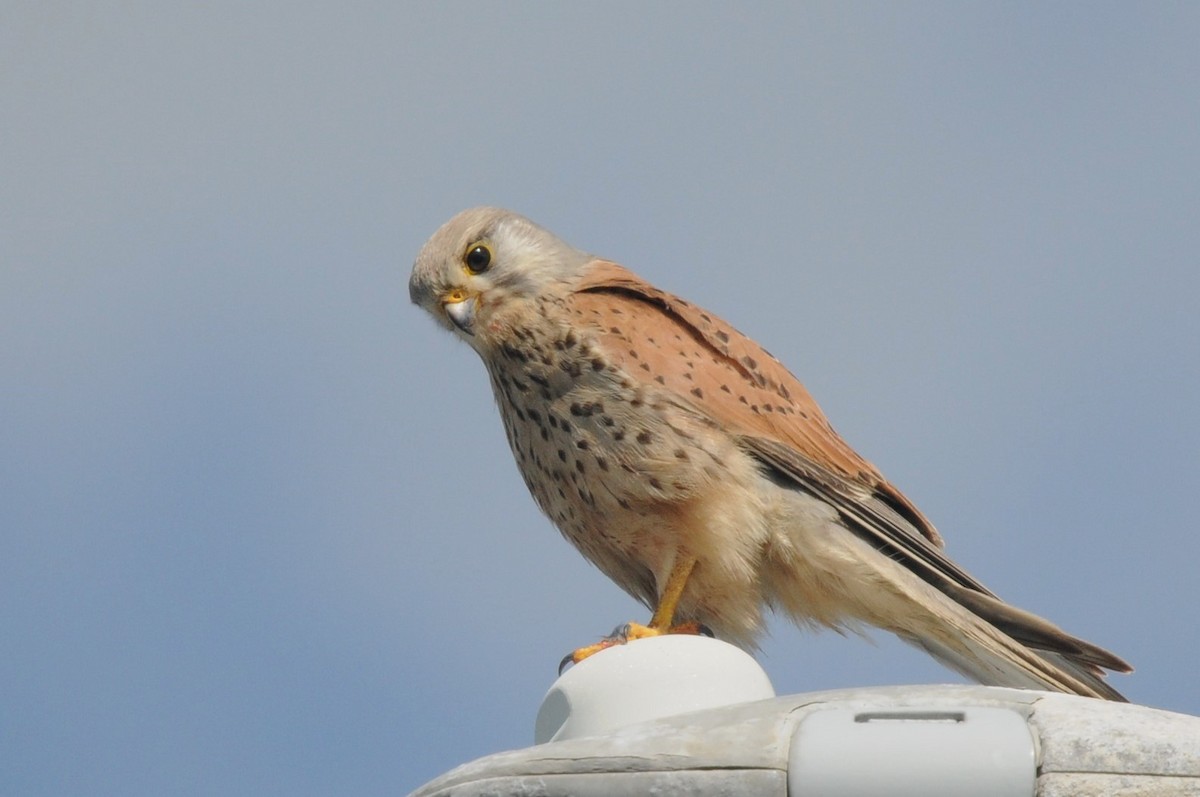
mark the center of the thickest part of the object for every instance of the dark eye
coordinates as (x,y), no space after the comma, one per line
(478,258)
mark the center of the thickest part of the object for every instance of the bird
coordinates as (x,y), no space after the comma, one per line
(698,474)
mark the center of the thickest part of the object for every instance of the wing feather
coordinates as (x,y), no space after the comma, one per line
(738,384)
(730,377)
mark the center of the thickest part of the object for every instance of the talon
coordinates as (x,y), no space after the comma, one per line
(627,632)
(579,654)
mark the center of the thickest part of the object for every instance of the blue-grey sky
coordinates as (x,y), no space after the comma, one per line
(260,532)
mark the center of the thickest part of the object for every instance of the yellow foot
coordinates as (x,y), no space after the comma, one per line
(627,633)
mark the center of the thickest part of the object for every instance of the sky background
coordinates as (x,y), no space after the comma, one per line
(260,531)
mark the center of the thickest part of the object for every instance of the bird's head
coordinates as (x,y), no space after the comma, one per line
(486,263)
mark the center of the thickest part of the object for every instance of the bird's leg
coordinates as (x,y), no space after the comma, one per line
(660,622)
(668,600)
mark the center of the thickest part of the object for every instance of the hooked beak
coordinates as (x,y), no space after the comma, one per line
(460,309)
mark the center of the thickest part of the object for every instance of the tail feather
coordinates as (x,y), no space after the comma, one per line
(1037,632)
(1017,667)
(999,645)
(971,632)
(824,572)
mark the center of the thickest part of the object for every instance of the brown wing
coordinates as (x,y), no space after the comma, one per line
(737,383)
(730,378)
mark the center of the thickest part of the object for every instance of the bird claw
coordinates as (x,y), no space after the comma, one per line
(627,632)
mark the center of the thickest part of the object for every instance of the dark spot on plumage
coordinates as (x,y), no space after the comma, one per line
(553,420)
(570,368)
(681,454)
(513,353)
(706,318)
(768,408)
(582,444)
(635,402)
(539,380)
(660,379)
(619,435)
(598,364)
(545,433)
(562,455)
(803,414)
(697,392)
(544,392)
(535,416)
(679,486)
(621,502)
(726,389)
(607,420)
(625,466)
(688,377)
(655,483)
(602,463)
(754,408)
(749,362)
(579,465)
(520,415)
(722,336)
(521,386)
(742,399)
(570,340)
(615,330)
(644,437)
(645,367)
(651,340)
(633,353)
(566,426)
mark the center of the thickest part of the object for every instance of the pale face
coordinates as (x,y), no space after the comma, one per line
(484,262)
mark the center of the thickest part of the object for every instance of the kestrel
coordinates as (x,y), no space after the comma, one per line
(697,473)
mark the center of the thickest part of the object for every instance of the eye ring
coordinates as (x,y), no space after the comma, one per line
(478,258)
